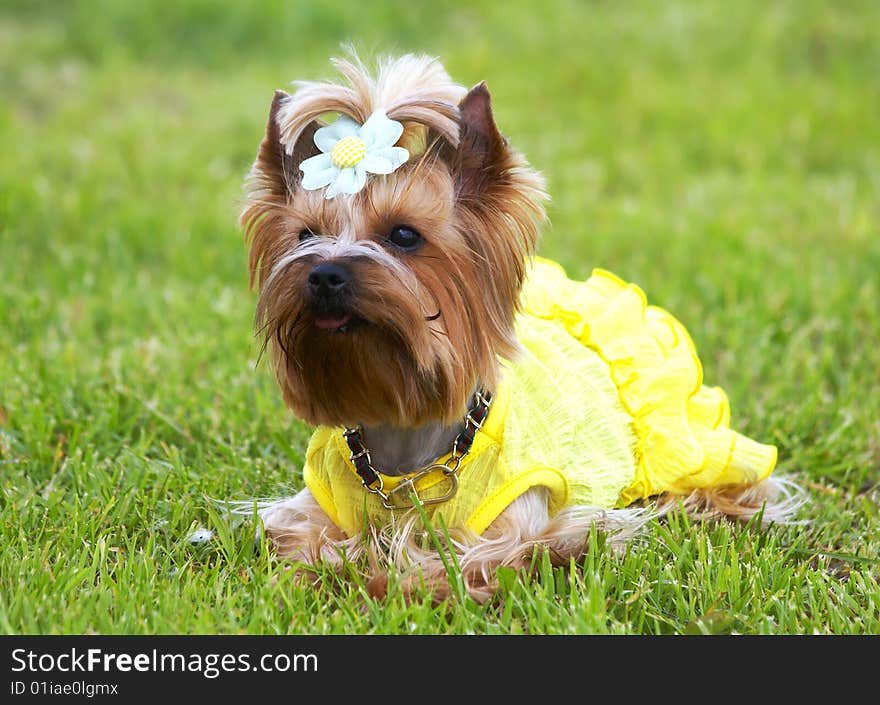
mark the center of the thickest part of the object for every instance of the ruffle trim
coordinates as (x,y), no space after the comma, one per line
(682,428)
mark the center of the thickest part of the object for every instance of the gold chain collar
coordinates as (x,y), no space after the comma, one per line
(404,495)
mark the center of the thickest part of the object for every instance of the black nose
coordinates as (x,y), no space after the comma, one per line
(328,279)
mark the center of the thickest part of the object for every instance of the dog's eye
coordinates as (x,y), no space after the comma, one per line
(305,234)
(404,237)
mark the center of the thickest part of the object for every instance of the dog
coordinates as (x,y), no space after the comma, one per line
(462,387)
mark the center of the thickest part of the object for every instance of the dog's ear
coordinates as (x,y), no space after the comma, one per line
(273,178)
(481,156)
(278,163)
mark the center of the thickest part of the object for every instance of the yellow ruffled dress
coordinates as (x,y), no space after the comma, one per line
(604,406)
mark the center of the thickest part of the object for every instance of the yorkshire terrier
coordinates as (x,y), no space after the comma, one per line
(461,387)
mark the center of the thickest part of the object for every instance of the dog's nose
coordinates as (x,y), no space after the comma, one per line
(328,279)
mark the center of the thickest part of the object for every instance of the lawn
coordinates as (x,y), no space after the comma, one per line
(725,156)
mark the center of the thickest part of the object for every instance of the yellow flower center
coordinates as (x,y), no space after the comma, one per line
(348,151)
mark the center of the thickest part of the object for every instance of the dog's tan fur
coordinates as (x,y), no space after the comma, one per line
(437,323)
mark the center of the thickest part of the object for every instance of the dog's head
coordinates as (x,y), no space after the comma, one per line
(387,291)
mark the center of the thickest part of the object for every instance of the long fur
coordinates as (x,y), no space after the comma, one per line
(474,236)
(302,532)
(429,325)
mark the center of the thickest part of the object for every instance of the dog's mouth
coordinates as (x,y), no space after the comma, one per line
(338,321)
(333,321)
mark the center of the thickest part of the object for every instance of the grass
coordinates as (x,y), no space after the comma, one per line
(724,156)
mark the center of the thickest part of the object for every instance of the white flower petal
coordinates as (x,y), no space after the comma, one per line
(351,182)
(325,139)
(344,180)
(360,175)
(375,164)
(318,178)
(380,131)
(328,136)
(317,163)
(395,155)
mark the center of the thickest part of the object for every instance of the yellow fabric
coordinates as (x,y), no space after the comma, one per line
(604,406)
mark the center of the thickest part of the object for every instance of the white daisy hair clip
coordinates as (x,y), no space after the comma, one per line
(350,151)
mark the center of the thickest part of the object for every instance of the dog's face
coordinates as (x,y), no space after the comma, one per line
(390,305)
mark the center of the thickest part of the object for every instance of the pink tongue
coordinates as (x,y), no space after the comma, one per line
(331,322)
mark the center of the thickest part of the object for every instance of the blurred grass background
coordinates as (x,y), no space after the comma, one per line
(725,156)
